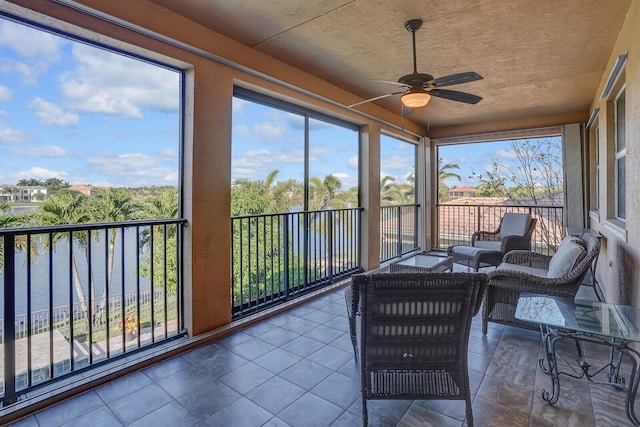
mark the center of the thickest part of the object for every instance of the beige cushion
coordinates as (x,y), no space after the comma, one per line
(514,224)
(567,257)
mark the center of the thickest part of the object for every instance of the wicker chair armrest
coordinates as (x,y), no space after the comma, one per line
(524,282)
(485,235)
(528,258)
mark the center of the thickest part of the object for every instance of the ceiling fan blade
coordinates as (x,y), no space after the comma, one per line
(456,79)
(393,83)
(454,95)
(375,99)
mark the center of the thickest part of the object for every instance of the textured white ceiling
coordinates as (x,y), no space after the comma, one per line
(537,58)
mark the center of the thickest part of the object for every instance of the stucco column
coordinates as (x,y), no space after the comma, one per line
(370,195)
(207,200)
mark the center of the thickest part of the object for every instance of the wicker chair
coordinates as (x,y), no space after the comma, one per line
(505,243)
(415,335)
(505,285)
(488,247)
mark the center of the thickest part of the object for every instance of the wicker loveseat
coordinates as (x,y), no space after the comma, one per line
(526,271)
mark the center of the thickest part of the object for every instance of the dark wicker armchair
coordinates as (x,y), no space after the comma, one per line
(415,335)
(505,285)
(486,239)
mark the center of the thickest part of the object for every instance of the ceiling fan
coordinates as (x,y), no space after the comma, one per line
(418,88)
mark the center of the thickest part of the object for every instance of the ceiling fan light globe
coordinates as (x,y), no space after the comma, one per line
(415,99)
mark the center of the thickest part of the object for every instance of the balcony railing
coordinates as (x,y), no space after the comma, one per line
(398,230)
(80,295)
(276,256)
(456,223)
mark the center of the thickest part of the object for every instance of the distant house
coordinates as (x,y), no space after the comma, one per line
(22,193)
(5,193)
(454,193)
(85,189)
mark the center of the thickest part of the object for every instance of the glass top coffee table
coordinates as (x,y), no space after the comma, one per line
(611,325)
(422,263)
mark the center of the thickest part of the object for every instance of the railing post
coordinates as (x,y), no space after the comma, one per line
(415,225)
(478,225)
(9,320)
(330,243)
(399,232)
(286,254)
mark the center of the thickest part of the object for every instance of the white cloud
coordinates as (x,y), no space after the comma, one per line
(506,154)
(41,173)
(51,114)
(256,164)
(352,163)
(242,130)
(11,135)
(46,151)
(238,107)
(123,161)
(170,153)
(38,50)
(316,151)
(5,93)
(134,170)
(104,82)
(268,131)
(399,167)
(346,180)
(30,43)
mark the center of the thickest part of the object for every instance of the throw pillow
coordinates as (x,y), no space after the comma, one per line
(568,256)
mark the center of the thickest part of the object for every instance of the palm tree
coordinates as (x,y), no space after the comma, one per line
(112,205)
(15,221)
(164,205)
(68,207)
(397,194)
(444,172)
(54,185)
(322,192)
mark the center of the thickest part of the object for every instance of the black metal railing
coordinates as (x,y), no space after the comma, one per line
(276,256)
(456,224)
(76,296)
(398,230)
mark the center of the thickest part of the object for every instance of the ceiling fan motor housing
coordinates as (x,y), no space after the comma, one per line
(417,80)
(413,25)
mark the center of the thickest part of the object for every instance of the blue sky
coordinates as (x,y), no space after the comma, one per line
(83,114)
(265,139)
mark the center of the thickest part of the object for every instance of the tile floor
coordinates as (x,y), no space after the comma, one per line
(297,369)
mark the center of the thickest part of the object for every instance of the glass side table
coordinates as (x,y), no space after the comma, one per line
(611,325)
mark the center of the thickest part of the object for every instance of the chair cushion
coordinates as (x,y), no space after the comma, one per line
(569,254)
(514,224)
(494,245)
(540,272)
